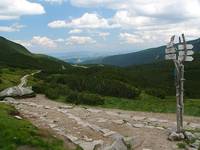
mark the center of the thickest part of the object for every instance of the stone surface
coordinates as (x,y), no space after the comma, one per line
(175,136)
(9,99)
(16,91)
(137,125)
(189,136)
(118,145)
(118,121)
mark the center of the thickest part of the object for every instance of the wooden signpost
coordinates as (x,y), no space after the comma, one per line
(179,56)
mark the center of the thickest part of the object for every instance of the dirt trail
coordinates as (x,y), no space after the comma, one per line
(90,127)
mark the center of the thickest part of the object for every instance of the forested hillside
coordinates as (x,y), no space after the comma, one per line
(15,55)
(141,57)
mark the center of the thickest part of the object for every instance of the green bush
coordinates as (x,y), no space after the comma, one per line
(52,91)
(156,92)
(85,98)
(99,85)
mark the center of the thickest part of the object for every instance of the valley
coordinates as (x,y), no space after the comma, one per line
(98,106)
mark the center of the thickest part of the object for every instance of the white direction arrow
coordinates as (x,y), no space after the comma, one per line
(170,56)
(188,46)
(169,45)
(189,52)
(170,50)
(188,58)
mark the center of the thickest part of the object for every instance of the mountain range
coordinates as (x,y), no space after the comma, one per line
(146,56)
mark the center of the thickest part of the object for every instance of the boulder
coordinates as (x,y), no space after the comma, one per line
(173,136)
(16,91)
(189,136)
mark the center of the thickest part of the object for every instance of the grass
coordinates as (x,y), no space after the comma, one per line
(151,104)
(11,76)
(21,133)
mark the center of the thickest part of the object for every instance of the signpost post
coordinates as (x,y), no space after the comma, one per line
(179,56)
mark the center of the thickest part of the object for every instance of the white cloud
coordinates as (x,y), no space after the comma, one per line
(44,42)
(87,20)
(13,9)
(55,1)
(131,38)
(26,44)
(75,31)
(104,34)
(126,19)
(150,8)
(57,24)
(80,40)
(12,28)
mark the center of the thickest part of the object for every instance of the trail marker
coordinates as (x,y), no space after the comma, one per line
(179,56)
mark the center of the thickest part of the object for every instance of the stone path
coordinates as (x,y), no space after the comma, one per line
(102,129)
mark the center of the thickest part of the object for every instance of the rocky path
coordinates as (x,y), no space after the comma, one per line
(103,129)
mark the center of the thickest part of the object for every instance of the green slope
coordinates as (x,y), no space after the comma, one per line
(15,55)
(142,57)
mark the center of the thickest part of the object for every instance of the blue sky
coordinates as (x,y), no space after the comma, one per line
(97,27)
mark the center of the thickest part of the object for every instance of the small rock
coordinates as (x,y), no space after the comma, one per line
(175,136)
(9,99)
(47,107)
(189,136)
(94,110)
(52,125)
(18,117)
(66,107)
(150,127)
(101,120)
(138,125)
(138,118)
(153,119)
(120,122)
(160,128)
(109,133)
(85,138)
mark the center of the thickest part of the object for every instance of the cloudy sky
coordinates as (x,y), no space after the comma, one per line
(97,26)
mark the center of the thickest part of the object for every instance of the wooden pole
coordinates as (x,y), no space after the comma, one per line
(182,83)
(177,83)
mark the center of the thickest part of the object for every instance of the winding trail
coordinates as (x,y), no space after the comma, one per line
(90,127)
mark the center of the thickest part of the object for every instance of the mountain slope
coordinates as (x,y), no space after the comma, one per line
(13,54)
(142,57)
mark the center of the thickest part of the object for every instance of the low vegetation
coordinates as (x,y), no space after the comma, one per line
(11,76)
(16,134)
(151,104)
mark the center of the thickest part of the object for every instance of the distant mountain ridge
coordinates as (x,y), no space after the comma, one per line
(16,55)
(146,56)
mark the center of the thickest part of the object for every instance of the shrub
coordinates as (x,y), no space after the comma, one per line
(156,92)
(85,98)
(52,91)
